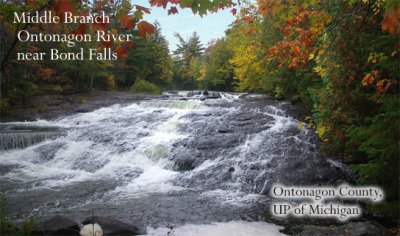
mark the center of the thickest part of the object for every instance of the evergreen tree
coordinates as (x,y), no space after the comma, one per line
(184,57)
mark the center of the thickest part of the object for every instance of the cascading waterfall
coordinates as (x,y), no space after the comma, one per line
(17,137)
(164,161)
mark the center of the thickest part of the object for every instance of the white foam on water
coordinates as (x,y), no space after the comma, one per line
(174,104)
(232,228)
(127,144)
(38,122)
(153,180)
(281,123)
(228,197)
(101,143)
(231,96)
(272,110)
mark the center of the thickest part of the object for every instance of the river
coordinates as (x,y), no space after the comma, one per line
(201,165)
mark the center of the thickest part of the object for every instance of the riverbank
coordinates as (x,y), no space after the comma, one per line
(52,106)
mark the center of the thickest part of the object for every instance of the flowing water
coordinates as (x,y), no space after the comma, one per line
(152,163)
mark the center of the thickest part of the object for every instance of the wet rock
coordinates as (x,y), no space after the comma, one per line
(58,225)
(366,228)
(216,141)
(90,164)
(184,164)
(48,151)
(214,134)
(224,129)
(214,95)
(112,226)
(82,109)
(296,111)
(305,164)
(4,168)
(295,99)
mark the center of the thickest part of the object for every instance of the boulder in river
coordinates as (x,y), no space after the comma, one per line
(295,99)
(58,225)
(91,230)
(112,226)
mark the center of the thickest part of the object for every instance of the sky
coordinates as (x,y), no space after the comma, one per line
(208,27)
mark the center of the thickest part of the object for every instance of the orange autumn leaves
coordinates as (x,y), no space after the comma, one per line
(63,6)
(300,28)
(145,28)
(300,33)
(381,84)
(377,79)
(301,24)
(127,21)
(391,20)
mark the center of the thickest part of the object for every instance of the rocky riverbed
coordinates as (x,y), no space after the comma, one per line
(194,163)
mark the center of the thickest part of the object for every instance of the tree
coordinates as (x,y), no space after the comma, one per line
(342,59)
(216,70)
(247,60)
(149,60)
(185,55)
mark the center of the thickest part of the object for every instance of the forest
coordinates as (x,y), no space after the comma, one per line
(340,59)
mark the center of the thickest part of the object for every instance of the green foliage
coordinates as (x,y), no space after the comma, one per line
(216,73)
(341,63)
(380,145)
(143,86)
(149,60)
(185,62)
(4,106)
(10,228)
(386,208)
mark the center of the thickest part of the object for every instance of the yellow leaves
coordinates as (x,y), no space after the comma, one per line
(203,72)
(320,71)
(321,131)
(375,57)
(57,89)
(110,81)
(249,70)
(300,125)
